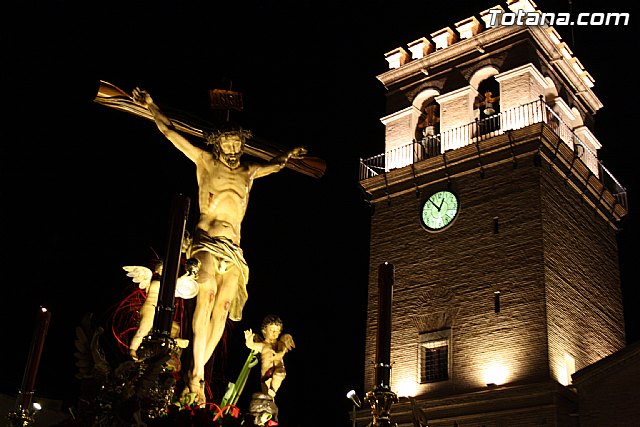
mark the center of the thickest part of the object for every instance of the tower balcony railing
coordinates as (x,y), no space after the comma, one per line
(515,118)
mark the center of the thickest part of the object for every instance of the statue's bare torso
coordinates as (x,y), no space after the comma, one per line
(223,196)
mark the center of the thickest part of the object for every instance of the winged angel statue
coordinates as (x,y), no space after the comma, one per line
(149,281)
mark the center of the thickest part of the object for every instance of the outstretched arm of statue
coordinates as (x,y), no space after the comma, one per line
(296,153)
(143,98)
(277,163)
(250,342)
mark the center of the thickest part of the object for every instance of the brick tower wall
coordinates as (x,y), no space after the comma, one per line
(582,278)
(448,280)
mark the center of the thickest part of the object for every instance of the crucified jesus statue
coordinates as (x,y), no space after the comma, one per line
(224,184)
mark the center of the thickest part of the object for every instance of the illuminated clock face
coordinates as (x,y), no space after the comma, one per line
(439,210)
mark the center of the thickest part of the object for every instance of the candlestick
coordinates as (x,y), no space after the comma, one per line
(23,415)
(37,344)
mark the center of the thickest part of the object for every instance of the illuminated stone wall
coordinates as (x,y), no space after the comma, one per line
(520,232)
(448,280)
(584,300)
(520,86)
(398,129)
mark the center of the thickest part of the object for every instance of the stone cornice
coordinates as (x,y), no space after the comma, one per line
(559,56)
(442,56)
(543,36)
(398,114)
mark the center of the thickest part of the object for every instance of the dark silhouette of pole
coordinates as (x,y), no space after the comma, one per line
(163,319)
(383,341)
(381,398)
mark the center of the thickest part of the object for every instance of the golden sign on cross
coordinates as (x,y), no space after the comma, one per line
(222,99)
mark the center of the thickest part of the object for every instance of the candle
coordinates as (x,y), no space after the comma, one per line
(37,344)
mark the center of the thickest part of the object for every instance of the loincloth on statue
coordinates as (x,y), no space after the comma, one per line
(226,252)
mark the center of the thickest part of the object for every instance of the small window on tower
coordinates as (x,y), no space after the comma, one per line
(434,356)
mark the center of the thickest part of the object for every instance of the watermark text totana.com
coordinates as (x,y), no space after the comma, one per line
(520,17)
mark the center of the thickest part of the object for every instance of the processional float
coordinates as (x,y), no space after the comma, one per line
(160,343)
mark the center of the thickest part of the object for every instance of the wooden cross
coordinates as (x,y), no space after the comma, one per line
(112,96)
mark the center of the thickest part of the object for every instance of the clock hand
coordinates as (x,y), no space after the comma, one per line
(434,204)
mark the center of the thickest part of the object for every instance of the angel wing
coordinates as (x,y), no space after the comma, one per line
(139,274)
(287,341)
(90,359)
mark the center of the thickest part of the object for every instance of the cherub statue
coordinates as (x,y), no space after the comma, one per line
(272,347)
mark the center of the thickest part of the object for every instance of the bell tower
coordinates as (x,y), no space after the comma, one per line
(501,222)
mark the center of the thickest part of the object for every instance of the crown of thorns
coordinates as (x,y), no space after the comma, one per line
(215,136)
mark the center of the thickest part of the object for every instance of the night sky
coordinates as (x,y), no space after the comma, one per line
(87,189)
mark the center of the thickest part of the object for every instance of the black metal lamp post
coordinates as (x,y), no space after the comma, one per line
(381,398)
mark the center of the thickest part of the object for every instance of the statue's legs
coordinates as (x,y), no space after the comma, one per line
(271,384)
(210,316)
(276,380)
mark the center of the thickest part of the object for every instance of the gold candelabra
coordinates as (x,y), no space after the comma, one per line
(381,400)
